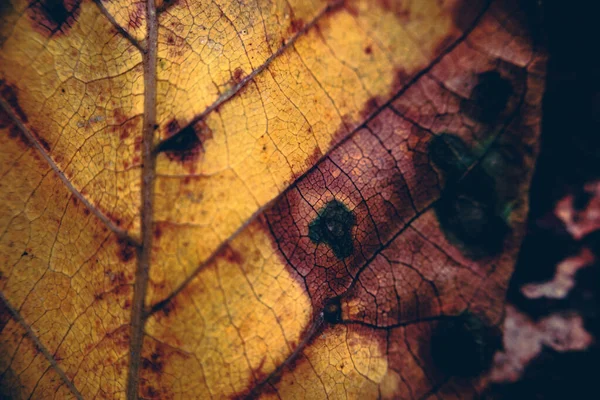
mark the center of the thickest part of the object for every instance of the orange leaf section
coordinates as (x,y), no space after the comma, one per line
(77,86)
(25,372)
(64,272)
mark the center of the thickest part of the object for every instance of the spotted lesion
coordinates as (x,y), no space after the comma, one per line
(333,227)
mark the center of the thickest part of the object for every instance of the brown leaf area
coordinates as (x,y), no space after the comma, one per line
(270,199)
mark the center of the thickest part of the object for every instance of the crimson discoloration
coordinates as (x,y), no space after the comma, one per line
(53,17)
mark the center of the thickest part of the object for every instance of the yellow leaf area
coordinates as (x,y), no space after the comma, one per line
(335,194)
(64,274)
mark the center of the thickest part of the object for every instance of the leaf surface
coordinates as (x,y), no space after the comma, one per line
(261,199)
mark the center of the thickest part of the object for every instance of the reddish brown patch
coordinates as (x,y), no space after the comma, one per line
(238,75)
(119,116)
(137,15)
(43,142)
(155,363)
(126,250)
(368,49)
(171,40)
(157,231)
(53,17)
(16,133)
(172,128)
(444,44)
(233,256)
(296,25)
(9,94)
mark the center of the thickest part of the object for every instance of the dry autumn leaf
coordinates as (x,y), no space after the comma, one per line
(293,199)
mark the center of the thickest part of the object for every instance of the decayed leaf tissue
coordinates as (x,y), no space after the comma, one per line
(267,199)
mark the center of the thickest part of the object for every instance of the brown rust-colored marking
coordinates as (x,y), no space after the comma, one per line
(126,250)
(43,142)
(53,17)
(232,256)
(238,75)
(9,94)
(137,15)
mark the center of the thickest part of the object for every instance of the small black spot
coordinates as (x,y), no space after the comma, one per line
(25,253)
(182,146)
(464,346)
(489,98)
(332,311)
(333,227)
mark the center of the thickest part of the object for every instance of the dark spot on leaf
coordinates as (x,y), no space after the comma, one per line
(450,154)
(233,256)
(157,231)
(332,310)
(368,50)
(154,364)
(43,142)
(9,94)
(464,346)
(468,210)
(475,224)
(238,75)
(166,4)
(333,226)
(296,25)
(489,98)
(126,250)
(54,16)
(183,146)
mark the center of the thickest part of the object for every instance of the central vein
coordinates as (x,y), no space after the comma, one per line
(147,192)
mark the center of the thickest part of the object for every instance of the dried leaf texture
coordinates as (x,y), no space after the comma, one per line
(299,199)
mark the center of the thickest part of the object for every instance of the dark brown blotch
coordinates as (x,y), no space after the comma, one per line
(469,210)
(464,345)
(185,145)
(333,227)
(238,75)
(489,98)
(52,17)
(332,311)
(126,250)
(154,363)
(9,94)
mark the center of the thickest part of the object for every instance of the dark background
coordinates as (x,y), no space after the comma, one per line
(569,157)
